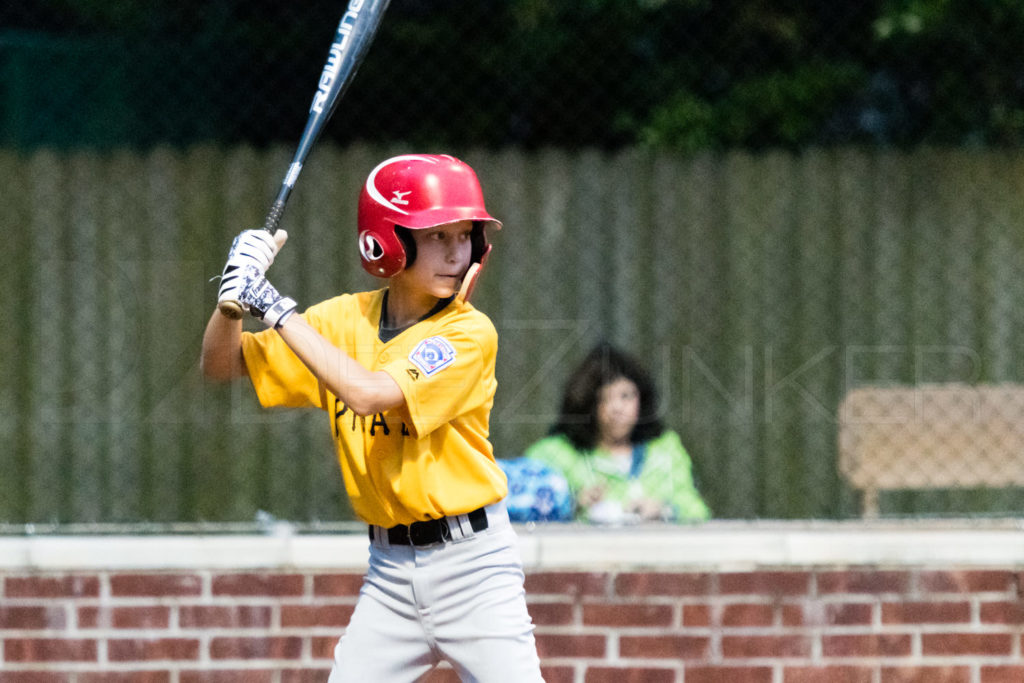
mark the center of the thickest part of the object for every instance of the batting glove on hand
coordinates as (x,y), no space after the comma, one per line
(256,248)
(262,300)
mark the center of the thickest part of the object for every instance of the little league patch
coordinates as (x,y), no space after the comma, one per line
(433,355)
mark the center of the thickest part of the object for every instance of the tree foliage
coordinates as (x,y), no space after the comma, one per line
(677,74)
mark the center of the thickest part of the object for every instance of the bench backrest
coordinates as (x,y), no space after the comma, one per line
(931,436)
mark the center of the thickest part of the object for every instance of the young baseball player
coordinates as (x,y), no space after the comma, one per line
(406,376)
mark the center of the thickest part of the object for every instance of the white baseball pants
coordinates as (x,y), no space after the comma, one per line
(461,601)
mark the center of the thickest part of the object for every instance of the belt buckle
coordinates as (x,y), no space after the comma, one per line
(424,533)
(429,532)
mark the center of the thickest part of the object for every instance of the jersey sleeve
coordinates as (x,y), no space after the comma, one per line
(447,375)
(278,376)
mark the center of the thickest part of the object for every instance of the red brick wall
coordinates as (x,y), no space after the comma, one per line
(786,626)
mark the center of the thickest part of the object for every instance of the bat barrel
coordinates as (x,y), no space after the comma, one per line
(355,32)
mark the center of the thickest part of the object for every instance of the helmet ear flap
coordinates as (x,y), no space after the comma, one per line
(408,243)
(478,242)
(382,252)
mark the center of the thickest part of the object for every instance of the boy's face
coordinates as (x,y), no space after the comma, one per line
(442,257)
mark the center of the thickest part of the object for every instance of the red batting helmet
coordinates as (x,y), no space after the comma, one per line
(417,191)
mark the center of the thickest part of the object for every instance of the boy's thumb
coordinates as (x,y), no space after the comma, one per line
(280,237)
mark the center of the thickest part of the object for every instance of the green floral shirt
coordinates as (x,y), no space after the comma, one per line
(665,475)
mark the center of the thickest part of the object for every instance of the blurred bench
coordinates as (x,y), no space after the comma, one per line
(931,437)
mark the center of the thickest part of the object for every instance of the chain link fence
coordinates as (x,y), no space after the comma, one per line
(776,204)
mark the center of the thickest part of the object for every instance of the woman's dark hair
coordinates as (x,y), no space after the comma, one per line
(603,365)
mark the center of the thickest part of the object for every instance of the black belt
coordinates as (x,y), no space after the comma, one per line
(431,531)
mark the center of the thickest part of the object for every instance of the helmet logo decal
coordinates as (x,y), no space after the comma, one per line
(369,247)
(375,194)
(399,197)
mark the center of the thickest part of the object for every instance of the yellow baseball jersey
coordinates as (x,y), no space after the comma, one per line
(431,456)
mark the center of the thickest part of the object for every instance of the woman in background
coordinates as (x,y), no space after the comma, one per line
(621,463)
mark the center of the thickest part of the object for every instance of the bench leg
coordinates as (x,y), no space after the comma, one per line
(869,504)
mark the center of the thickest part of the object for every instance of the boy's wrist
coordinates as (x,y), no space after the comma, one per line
(279,312)
(263,299)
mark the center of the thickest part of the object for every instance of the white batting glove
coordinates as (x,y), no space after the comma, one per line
(262,299)
(256,248)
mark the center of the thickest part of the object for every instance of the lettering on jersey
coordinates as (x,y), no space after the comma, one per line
(339,410)
(358,423)
(433,355)
(414,373)
(379,421)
